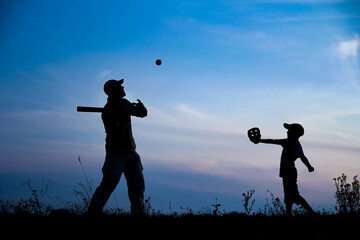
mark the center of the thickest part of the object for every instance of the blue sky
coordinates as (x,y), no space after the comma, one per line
(227,66)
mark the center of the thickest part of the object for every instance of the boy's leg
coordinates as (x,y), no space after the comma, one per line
(292,195)
(288,207)
(290,189)
(113,167)
(301,201)
(136,184)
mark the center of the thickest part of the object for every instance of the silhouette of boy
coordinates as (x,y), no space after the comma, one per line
(292,150)
(120,146)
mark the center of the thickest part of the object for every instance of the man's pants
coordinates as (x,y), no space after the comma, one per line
(116,164)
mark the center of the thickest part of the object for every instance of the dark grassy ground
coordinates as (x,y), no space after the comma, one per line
(232,225)
(31,218)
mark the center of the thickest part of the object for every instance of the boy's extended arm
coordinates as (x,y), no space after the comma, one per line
(271,141)
(307,163)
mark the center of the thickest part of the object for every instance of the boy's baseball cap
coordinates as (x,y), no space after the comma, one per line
(111,85)
(297,128)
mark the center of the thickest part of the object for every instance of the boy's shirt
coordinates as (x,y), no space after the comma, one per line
(292,150)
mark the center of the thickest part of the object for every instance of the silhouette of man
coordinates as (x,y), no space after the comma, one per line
(292,150)
(120,146)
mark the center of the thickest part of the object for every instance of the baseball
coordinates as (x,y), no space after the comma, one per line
(158,62)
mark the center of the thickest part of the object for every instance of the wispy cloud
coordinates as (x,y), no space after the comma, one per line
(60,119)
(312,18)
(183,116)
(345,54)
(104,74)
(203,146)
(188,111)
(348,49)
(233,32)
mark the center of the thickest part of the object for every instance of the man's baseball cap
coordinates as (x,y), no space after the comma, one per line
(111,86)
(295,127)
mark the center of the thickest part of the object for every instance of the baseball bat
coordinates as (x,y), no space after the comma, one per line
(89,109)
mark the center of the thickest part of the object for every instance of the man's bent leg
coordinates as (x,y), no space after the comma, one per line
(113,167)
(102,194)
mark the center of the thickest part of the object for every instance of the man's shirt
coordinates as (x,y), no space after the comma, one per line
(116,117)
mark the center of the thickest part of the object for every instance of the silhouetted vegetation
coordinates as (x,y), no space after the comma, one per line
(347,195)
(270,221)
(347,198)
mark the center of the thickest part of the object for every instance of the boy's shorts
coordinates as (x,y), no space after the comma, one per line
(291,192)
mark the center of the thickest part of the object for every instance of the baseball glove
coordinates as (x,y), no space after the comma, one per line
(254,135)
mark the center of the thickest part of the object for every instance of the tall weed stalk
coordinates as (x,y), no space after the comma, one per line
(84,191)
